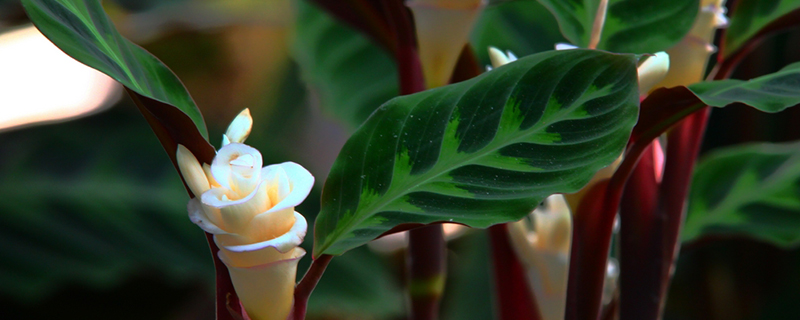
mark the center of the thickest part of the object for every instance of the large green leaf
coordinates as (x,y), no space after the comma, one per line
(83,30)
(630,26)
(752,18)
(751,190)
(352,74)
(483,151)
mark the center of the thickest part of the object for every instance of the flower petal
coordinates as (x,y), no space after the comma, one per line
(239,129)
(237,213)
(199,217)
(283,243)
(191,170)
(237,167)
(301,182)
(267,291)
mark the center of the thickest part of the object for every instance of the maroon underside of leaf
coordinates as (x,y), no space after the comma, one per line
(514,299)
(173,127)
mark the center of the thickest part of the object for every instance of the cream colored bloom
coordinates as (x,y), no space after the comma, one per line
(442,29)
(544,252)
(250,212)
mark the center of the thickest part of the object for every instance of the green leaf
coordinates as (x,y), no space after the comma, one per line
(483,151)
(83,30)
(631,25)
(751,190)
(752,18)
(770,93)
(352,74)
(666,106)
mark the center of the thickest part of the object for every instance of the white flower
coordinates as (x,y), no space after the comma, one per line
(250,212)
(443,27)
(544,252)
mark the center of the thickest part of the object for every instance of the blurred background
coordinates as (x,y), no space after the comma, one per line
(93,222)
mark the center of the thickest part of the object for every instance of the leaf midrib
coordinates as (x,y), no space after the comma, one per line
(109,51)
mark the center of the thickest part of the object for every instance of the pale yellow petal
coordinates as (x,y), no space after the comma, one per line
(192,171)
(267,291)
(442,30)
(239,129)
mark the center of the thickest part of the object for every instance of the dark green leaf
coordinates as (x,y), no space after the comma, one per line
(752,18)
(666,106)
(751,190)
(631,25)
(483,151)
(83,30)
(352,75)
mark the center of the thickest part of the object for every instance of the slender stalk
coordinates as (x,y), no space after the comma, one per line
(597,26)
(591,238)
(682,149)
(426,266)
(639,233)
(592,231)
(514,299)
(303,289)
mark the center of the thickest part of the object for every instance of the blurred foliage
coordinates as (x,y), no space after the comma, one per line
(751,190)
(351,74)
(93,206)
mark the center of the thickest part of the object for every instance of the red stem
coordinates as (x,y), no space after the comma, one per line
(426,266)
(303,289)
(682,150)
(514,298)
(640,266)
(591,238)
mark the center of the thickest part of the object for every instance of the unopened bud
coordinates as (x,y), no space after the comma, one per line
(239,129)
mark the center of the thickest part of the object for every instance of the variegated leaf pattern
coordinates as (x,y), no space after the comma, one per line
(751,190)
(483,151)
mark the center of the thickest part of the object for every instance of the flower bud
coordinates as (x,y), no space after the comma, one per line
(239,129)
(498,58)
(544,252)
(442,29)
